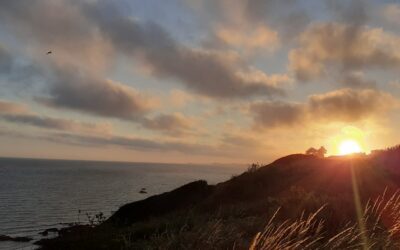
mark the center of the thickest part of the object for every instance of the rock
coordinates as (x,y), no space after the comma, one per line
(66,238)
(50,230)
(16,239)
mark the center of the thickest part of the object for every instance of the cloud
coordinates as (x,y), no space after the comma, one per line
(344,105)
(72,73)
(5,61)
(20,74)
(344,46)
(288,16)
(76,90)
(357,80)
(391,13)
(10,107)
(179,98)
(241,141)
(72,88)
(17,113)
(90,34)
(56,123)
(135,143)
(272,114)
(394,84)
(173,124)
(349,105)
(131,143)
(248,39)
(354,12)
(203,71)
(69,34)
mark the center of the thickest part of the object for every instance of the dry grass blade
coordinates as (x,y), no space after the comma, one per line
(381,216)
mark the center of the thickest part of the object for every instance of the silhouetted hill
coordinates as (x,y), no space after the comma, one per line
(295,183)
(184,197)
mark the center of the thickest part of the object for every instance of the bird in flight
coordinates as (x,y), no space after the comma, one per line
(49,52)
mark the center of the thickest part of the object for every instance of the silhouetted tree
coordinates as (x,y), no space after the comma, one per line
(311,151)
(321,151)
(317,152)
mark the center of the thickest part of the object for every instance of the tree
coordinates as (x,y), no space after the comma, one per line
(311,151)
(321,152)
(317,152)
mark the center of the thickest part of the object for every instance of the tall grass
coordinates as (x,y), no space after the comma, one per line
(382,230)
(243,226)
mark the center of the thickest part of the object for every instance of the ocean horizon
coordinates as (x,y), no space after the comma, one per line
(37,194)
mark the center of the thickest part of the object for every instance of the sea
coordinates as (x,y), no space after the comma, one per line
(39,194)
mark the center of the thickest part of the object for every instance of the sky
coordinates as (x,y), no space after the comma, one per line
(198,81)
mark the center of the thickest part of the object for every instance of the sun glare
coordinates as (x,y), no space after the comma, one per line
(349,147)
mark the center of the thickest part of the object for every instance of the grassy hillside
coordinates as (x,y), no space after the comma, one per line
(297,202)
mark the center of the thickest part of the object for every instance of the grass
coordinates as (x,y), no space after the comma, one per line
(242,227)
(382,227)
(265,224)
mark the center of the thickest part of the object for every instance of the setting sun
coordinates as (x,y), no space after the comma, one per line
(349,147)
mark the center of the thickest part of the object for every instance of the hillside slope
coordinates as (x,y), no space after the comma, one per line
(239,208)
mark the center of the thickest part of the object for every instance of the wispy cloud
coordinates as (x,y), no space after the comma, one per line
(343,105)
(19,114)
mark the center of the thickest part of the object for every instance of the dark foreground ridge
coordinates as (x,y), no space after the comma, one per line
(187,196)
(231,214)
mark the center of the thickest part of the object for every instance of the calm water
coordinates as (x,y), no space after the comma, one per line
(39,194)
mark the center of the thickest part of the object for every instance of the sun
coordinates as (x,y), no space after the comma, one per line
(347,147)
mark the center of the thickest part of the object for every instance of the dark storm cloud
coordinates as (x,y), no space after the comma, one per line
(344,105)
